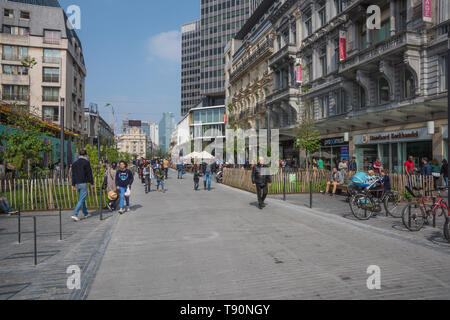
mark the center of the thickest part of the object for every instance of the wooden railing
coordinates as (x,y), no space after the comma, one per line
(298,181)
(47,194)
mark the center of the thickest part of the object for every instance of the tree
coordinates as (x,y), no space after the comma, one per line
(29,63)
(25,142)
(112,154)
(306,136)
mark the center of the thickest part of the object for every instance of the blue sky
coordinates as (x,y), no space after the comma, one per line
(132,50)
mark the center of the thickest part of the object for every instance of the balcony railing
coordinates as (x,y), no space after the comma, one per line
(52,41)
(51,118)
(49,59)
(13,57)
(14,97)
(50,98)
(50,78)
(285,52)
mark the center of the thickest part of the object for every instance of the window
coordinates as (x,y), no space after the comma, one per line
(337,53)
(16,31)
(409,84)
(308,24)
(15,93)
(362,37)
(50,114)
(383,91)
(323,61)
(50,75)
(14,70)
(444,11)
(8,13)
(322,13)
(14,53)
(443,70)
(385,32)
(340,101)
(25,15)
(309,68)
(361,97)
(52,36)
(51,94)
(323,104)
(338,5)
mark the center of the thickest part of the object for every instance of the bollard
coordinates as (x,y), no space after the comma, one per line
(19,226)
(60,222)
(35,241)
(284,184)
(101,204)
(310,194)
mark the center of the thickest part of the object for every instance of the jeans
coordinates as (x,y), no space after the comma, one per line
(196,185)
(81,205)
(160,183)
(446,182)
(148,183)
(207,179)
(123,199)
(180,174)
(4,205)
(166,172)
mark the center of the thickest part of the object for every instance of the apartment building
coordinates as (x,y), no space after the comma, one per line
(95,125)
(38,30)
(376,93)
(134,141)
(190,66)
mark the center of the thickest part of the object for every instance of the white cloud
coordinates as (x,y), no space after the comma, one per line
(166,46)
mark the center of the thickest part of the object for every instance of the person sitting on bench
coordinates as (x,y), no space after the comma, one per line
(337,179)
(5,207)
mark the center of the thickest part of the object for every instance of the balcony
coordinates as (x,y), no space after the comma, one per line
(286,54)
(48,98)
(52,60)
(15,79)
(53,78)
(15,97)
(13,57)
(55,41)
(51,118)
(393,46)
(260,52)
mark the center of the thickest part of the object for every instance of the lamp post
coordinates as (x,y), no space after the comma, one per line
(99,158)
(61,121)
(448,91)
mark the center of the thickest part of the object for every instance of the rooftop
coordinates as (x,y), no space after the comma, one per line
(45,3)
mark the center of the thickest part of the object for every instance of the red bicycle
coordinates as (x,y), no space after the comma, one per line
(417,214)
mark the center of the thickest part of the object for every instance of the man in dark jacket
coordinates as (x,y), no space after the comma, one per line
(261,179)
(81,178)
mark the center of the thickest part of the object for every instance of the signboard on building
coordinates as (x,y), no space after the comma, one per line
(333,142)
(299,73)
(393,136)
(427,10)
(135,123)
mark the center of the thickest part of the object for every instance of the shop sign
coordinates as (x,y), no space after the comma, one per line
(333,142)
(428,10)
(394,136)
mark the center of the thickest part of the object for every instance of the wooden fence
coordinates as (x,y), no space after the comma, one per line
(46,194)
(298,181)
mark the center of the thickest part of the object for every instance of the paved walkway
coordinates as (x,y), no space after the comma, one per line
(218,245)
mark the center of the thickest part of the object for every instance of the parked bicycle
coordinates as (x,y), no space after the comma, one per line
(371,198)
(416,214)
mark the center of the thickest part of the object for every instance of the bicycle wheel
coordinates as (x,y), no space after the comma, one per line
(392,204)
(447,229)
(362,206)
(413,217)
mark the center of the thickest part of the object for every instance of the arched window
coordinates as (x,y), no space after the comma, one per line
(383,91)
(409,84)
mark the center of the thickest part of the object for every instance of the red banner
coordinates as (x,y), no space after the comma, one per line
(428,10)
(342,46)
(299,74)
(224,118)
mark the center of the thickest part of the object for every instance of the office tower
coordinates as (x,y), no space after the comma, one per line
(166,127)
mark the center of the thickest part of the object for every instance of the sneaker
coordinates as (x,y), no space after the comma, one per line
(75,219)
(13,213)
(164,191)
(157,190)
(128,209)
(121,211)
(87,216)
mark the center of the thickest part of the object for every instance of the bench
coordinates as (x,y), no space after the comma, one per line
(342,189)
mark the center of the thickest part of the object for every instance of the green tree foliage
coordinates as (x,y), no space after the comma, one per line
(25,141)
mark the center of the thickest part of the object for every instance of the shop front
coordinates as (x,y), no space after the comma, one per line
(332,151)
(393,148)
(445,138)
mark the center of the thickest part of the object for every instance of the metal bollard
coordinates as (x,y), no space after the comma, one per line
(101,204)
(19,225)
(35,241)
(284,184)
(310,194)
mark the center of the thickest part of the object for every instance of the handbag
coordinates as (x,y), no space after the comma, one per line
(128,192)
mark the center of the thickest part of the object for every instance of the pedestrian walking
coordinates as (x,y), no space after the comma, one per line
(148,173)
(262,180)
(435,172)
(207,175)
(444,172)
(353,167)
(197,175)
(81,178)
(111,187)
(180,169)
(166,165)
(124,181)
(159,173)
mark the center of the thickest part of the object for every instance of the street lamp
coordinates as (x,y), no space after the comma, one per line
(99,158)
(61,154)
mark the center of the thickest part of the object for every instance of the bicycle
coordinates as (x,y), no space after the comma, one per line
(415,215)
(366,200)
